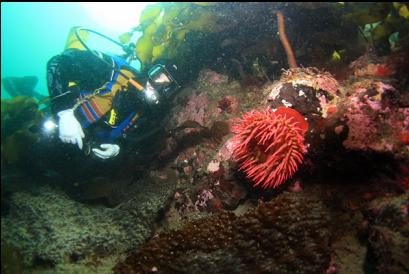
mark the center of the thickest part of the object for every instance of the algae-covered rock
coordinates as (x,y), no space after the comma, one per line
(287,235)
(50,229)
(389,233)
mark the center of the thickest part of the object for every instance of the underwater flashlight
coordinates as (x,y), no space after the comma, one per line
(151,94)
(49,126)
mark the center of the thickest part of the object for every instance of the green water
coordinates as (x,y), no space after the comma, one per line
(32,33)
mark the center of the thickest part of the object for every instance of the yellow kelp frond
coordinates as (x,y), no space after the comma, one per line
(336,56)
(165,26)
(171,14)
(158,51)
(144,48)
(151,29)
(161,35)
(126,37)
(180,35)
(404,11)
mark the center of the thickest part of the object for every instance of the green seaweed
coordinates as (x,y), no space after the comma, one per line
(20,121)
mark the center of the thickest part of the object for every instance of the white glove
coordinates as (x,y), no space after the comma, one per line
(70,129)
(110,151)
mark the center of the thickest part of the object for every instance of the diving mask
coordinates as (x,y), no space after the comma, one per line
(162,80)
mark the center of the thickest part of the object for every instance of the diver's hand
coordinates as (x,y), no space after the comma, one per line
(70,129)
(109,151)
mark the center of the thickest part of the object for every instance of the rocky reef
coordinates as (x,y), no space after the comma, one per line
(210,184)
(51,229)
(388,228)
(256,168)
(289,234)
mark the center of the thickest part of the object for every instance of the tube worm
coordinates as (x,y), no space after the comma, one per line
(283,38)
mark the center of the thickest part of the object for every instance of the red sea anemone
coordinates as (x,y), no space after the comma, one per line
(271,145)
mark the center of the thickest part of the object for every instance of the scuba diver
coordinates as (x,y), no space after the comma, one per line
(98,97)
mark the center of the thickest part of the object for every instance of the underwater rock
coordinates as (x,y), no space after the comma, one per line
(226,151)
(389,233)
(365,113)
(197,117)
(307,90)
(209,77)
(371,65)
(109,191)
(230,193)
(374,121)
(288,234)
(200,103)
(221,169)
(190,161)
(215,170)
(229,104)
(50,229)
(188,134)
(195,110)
(373,107)
(348,255)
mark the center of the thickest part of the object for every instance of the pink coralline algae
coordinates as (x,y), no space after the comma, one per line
(207,76)
(195,110)
(361,131)
(216,79)
(271,145)
(226,152)
(373,124)
(390,134)
(203,198)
